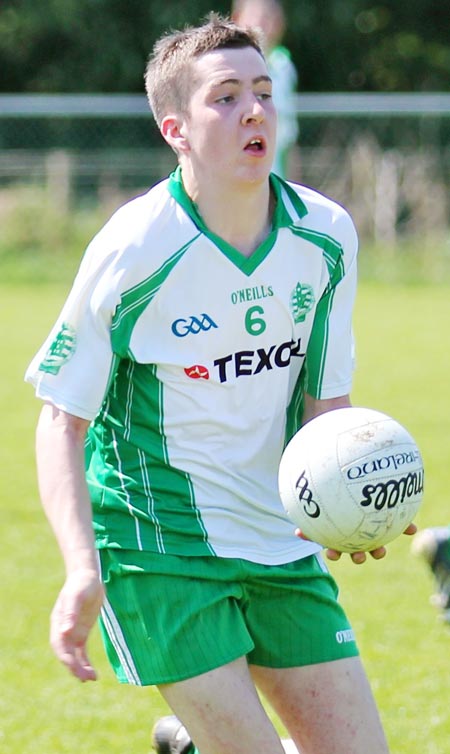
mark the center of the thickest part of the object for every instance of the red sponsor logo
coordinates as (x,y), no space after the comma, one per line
(197,372)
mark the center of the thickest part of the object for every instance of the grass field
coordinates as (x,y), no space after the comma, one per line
(403,369)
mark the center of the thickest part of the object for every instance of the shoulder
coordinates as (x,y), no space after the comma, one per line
(139,237)
(280,57)
(315,201)
(133,220)
(280,62)
(325,215)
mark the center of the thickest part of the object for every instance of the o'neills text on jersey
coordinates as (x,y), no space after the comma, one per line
(256,293)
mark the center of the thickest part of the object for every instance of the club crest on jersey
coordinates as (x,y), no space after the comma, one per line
(302,301)
(192,326)
(60,351)
(197,372)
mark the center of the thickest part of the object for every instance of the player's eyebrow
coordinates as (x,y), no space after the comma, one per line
(236,82)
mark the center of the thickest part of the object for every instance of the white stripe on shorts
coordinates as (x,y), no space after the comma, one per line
(289,746)
(321,562)
(117,639)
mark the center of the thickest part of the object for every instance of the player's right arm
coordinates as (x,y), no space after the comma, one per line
(60,439)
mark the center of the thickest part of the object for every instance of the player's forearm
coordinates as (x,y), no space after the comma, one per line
(62,486)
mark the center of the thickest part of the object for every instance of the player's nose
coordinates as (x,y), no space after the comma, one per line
(253,111)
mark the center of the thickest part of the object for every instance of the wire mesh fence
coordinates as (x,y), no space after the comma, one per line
(386,158)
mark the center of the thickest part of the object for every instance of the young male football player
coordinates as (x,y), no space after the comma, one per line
(208,319)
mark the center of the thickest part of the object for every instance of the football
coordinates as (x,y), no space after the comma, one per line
(351,479)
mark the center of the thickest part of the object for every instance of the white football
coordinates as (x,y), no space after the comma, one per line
(351,479)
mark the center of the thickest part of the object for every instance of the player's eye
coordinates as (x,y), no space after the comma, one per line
(225,98)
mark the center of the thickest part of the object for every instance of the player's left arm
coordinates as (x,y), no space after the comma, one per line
(330,352)
(314,407)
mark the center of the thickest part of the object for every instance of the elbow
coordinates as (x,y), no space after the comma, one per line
(53,419)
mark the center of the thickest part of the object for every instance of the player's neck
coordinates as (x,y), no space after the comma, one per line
(243,218)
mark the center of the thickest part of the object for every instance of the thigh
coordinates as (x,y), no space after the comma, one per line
(222,711)
(325,707)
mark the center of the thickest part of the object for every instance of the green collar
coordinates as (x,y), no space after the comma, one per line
(281,219)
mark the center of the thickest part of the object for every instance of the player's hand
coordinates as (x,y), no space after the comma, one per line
(360,557)
(75,612)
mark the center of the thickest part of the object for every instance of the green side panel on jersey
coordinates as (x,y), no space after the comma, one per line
(136,299)
(138,497)
(294,413)
(318,343)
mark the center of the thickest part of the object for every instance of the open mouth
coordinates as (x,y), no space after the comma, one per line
(255,145)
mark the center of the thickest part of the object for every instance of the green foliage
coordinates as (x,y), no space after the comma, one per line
(403,366)
(85,45)
(102,45)
(351,45)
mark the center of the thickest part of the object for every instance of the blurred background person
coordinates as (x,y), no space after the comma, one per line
(433,545)
(269,17)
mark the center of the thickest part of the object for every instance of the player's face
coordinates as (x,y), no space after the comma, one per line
(230,126)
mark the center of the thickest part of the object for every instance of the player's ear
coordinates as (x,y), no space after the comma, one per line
(174,132)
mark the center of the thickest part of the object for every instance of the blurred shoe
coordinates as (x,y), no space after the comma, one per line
(169,736)
(433,545)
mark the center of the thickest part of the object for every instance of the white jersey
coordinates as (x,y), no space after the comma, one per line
(191,361)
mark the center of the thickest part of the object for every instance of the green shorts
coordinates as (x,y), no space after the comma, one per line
(167,618)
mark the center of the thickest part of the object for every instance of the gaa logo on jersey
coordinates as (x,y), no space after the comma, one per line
(301,302)
(193,325)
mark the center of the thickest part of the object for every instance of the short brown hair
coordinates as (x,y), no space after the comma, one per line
(167,75)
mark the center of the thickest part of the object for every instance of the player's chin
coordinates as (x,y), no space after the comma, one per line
(256,170)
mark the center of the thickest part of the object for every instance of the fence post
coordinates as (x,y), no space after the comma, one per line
(58,167)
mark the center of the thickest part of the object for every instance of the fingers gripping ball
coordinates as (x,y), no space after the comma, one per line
(351,479)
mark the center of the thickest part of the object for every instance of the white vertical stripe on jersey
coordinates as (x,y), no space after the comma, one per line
(151,502)
(198,513)
(125,491)
(129,404)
